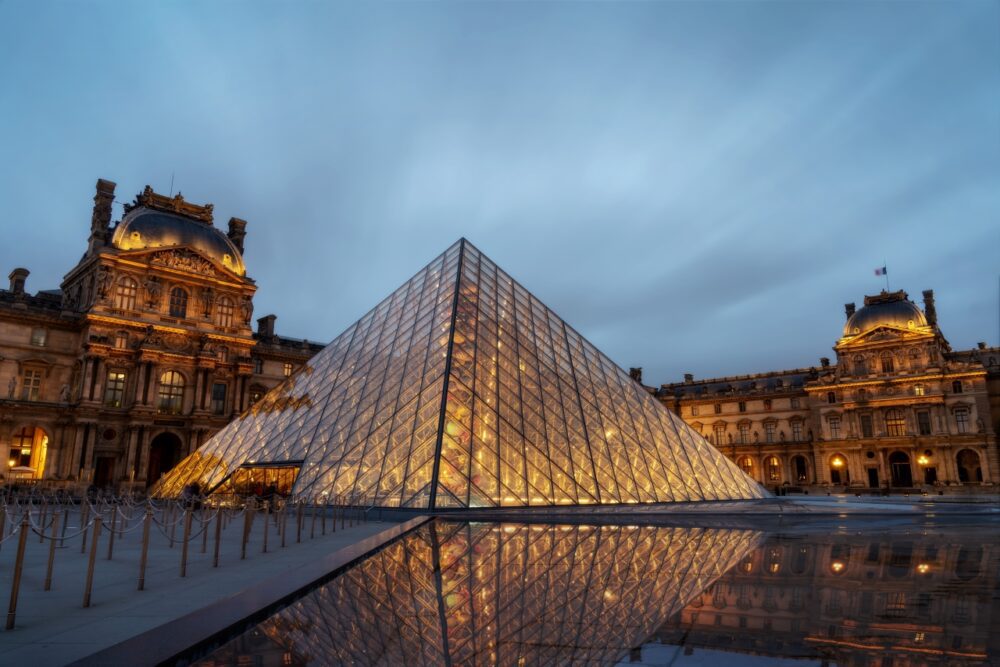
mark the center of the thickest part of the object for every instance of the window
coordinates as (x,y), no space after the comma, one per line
(867,427)
(31,385)
(797,431)
(39,337)
(918,390)
(834,423)
(956,387)
(222,354)
(256,393)
(746,465)
(795,402)
(20,452)
(831,397)
(121,341)
(743,406)
(125,294)
(860,367)
(219,398)
(178,302)
(225,312)
(962,419)
(286,369)
(773,469)
(694,410)
(720,434)
(923,422)
(769,431)
(767,403)
(114,389)
(171,393)
(258,368)
(718,408)
(895,422)
(744,434)
(886,359)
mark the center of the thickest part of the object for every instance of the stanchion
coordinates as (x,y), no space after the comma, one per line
(218,536)
(184,546)
(325,508)
(298,522)
(312,523)
(204,531)
(62,538)
(93,556)
(284,524)
(247,524)
(173,527)
(111,536)
(15,587)
(147,520)
(45,516)
(84,515)
(267,524)
(3,523)
(52,552)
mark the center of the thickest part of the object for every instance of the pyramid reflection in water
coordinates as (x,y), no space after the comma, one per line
(461,389)
(499,594)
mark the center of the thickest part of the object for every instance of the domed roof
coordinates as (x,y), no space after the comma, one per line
(892,309)
(143,228)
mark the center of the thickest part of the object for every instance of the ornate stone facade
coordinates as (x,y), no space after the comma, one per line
(898,409)
(144,352)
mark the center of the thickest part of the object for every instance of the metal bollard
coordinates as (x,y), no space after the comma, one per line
(298,523)
(284,525)
(3,523)
(147,520)
(218,536)
(312,526)
(111,537)
(62,537)
(267,514)
(173,527)
(22,540)
(204,531)
(184,546)
(45,516)
(84,515)
(90,564)
(52,552)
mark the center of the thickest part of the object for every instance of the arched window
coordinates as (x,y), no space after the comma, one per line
(171,393)
(956,387)
(125,293)
(225,312)
(887,365)
(969,468)
(746,465)
(860,367)
(800,468)
(895,422)
(178,302)
(773,469)
(838,470)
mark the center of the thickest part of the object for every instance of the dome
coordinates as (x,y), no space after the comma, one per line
(891,309)
(144,228)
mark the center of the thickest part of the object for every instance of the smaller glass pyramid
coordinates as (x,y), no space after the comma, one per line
(461,389)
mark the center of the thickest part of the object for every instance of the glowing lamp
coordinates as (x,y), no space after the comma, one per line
(11,463)
(837,462)
(923,460)
(923,568)
(837,567)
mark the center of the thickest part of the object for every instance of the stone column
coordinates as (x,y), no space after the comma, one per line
(73,465)
(87,473)
(199,376)
(140,383)
(130,453)
(143,456)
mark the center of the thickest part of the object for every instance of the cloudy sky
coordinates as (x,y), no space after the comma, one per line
(696,187)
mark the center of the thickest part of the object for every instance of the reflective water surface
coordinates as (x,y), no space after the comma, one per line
(529,594)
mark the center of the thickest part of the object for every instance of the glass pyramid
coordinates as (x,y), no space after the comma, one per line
(499,594)
(461,389)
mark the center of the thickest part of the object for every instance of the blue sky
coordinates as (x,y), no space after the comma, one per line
(696,187)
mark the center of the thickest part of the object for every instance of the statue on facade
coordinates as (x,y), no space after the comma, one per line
(11,387)
(153,291)
(64,394)
(207,296)
(103,283)
(71,297)
(246,308)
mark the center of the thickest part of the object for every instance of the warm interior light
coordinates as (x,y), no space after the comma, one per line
(923,460)
(837,566)
(837,462)
(11,463)
(923,568)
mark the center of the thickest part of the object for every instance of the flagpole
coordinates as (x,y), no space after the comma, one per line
(885,272)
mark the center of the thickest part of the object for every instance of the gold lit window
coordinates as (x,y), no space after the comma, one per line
(225,312)
(125,294)
(178,302)
(895,422)
(171,393)
(286,369)
(31,385)
(114,389)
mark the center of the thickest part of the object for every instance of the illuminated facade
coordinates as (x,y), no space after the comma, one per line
(498,594)
(461,389)
(898,409)
(144,352)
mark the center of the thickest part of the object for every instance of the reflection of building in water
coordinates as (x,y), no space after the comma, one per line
(898,408)
(913,600)
(497,594)
(144,352)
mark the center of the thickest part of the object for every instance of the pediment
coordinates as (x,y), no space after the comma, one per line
(884,334)
(182,258)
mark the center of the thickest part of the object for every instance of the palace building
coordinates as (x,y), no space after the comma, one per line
(141,355)
(897,409)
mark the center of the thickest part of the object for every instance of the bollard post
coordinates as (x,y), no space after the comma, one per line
(284,524)
(84,515)
(15,587)
(218,536)
(312,526)
(146,521)
(3,522)
(90,563)
(247,523)
(111,536)
(267,524)
(52,551)
(204,531)
(298,523)
(62,537)
(184,545)
(325,507)
(173,527)
(45,516)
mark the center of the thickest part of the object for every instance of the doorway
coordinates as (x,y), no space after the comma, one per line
(873,478)
(164,454)
(104,471)
(899,465)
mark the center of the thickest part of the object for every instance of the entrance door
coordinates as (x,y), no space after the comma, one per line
(104,471)
(164,454)
(899,463)
(930,475)
(873,478)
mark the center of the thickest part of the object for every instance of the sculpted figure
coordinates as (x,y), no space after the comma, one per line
(104,279)
(64,394)
(246,308)
(153,291)
(11,387)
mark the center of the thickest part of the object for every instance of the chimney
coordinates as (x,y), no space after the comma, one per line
(237,232)
(849,309)
(824,362)
(265,326)
(635,374)
(17,279)
(688,378)
(981,345)
(100,219)
(929,310)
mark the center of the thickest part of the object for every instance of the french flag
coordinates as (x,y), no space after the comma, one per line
(882,272)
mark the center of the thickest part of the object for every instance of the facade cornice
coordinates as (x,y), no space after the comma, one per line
(895,380)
